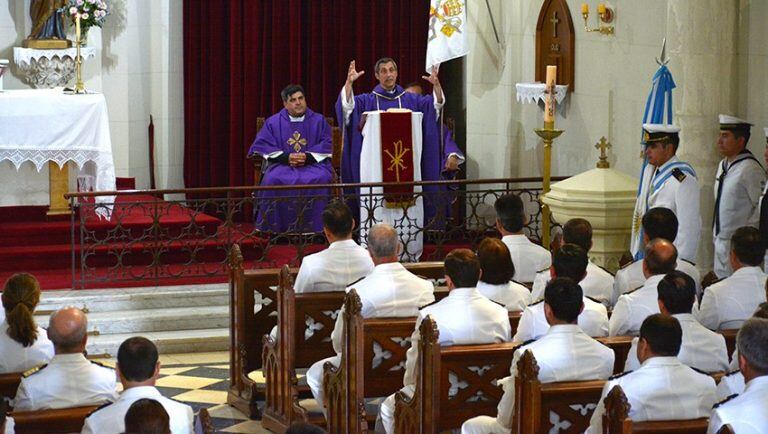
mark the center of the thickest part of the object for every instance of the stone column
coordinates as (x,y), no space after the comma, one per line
(701,42)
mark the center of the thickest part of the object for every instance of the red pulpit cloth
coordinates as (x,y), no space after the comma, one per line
(397,158)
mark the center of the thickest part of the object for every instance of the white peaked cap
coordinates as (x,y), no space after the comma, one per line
(661,128)
(732,120)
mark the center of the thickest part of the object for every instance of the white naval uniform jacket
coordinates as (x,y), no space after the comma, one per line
(631,277)
(389,291)
(731,383)
(593,320)
(527,257)
(702,348)
(332,269)
(512,295)
(731,301)
(597,284)
(564,353)
(634,307)
(15,357)
(747,413)
(69,380)
(661,389)
(674,186)
(110,419)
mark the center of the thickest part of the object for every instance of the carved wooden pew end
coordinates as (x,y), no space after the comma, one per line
(616,419)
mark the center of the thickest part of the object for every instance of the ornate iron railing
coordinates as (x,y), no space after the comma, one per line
(149,238)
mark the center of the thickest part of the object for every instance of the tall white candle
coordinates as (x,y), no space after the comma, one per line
(549,101)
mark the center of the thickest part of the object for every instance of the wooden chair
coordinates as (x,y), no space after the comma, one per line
(432,409)
(248,323)
(565,406)
(203,423)
(294,349)
(336,140)
(8,384)
(59,421)
(616,419)
(356,378)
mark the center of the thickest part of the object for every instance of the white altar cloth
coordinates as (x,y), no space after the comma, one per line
(42,125)
(408,224)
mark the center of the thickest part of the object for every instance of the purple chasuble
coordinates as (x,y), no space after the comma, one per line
(432,159)
(278,211)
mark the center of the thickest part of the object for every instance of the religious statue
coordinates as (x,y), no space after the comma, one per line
(47,25)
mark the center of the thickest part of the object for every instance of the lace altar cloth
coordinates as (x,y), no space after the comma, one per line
(42,125)
(534,92)
(26,55)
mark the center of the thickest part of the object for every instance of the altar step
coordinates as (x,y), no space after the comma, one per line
(179,319)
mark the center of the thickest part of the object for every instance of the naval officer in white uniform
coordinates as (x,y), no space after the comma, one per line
(527,256)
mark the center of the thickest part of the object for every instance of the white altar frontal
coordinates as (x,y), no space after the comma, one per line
(45,126)
(409,222)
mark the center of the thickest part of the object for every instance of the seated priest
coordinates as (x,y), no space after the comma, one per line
(437,159)
(296,145)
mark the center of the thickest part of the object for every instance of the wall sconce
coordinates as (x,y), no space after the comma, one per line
(606,16)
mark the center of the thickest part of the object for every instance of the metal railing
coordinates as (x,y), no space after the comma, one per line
(149,238)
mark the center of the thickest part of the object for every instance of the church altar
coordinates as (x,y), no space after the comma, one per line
(46,126)
(49,68)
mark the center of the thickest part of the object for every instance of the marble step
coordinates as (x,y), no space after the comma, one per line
(154,320)
(124,299)
(168,342)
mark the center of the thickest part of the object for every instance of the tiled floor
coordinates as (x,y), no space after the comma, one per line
(201,380)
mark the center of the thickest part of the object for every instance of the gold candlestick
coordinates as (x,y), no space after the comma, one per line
(79,85)
(548,134)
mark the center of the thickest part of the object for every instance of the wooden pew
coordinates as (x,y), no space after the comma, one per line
(59,421)
(535,402)
(8,384)
(356,378)
(620,346)
(431,409)
(730,339)
(616,419)
(297,314)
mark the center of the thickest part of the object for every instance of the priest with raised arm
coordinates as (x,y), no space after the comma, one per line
(437,160)
(296,145)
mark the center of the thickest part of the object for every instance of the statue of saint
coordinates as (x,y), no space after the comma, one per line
(47,25)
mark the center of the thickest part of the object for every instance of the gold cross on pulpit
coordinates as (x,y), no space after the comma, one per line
(297,141)
(602,145)
(397,163)
(554,20)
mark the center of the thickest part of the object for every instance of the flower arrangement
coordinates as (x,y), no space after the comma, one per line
(92,12)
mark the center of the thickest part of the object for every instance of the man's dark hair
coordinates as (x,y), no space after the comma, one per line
(657,259)
(762,311)
(137,358)
(578,231)
(383,61)
(337,218)
(570,261)
(304,428)
(663,334)
(748,246)
(677,291)
(752,343)
(510,212)
(660,223)
(742,132)
(495,261)
(289,90)
(463,267)
(147,416)
(565,298)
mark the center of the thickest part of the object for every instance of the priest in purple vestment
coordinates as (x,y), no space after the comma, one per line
(437,161)
(296,145)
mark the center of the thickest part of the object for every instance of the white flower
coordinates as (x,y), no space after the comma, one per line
(84,16)
(79,2)
(73,10)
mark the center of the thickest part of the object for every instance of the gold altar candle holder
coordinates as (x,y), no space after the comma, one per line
(79,85)
(548,134)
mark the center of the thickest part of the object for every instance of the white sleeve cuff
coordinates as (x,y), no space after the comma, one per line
(347,105)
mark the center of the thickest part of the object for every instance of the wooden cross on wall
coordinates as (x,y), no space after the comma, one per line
(554,20)
(555,42)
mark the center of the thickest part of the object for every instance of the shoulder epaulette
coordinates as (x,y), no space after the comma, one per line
(685,260)
(725,400)
(700,371)
(429,304)
(543,270)
(678,174)
(738,371)
(107,404)
(606,270)
(630,292)
(593,299)
(355,281)
(517,347)
(34,370)
(627,264)
(536,302)
(100,364)
(613,377)
(519,283)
